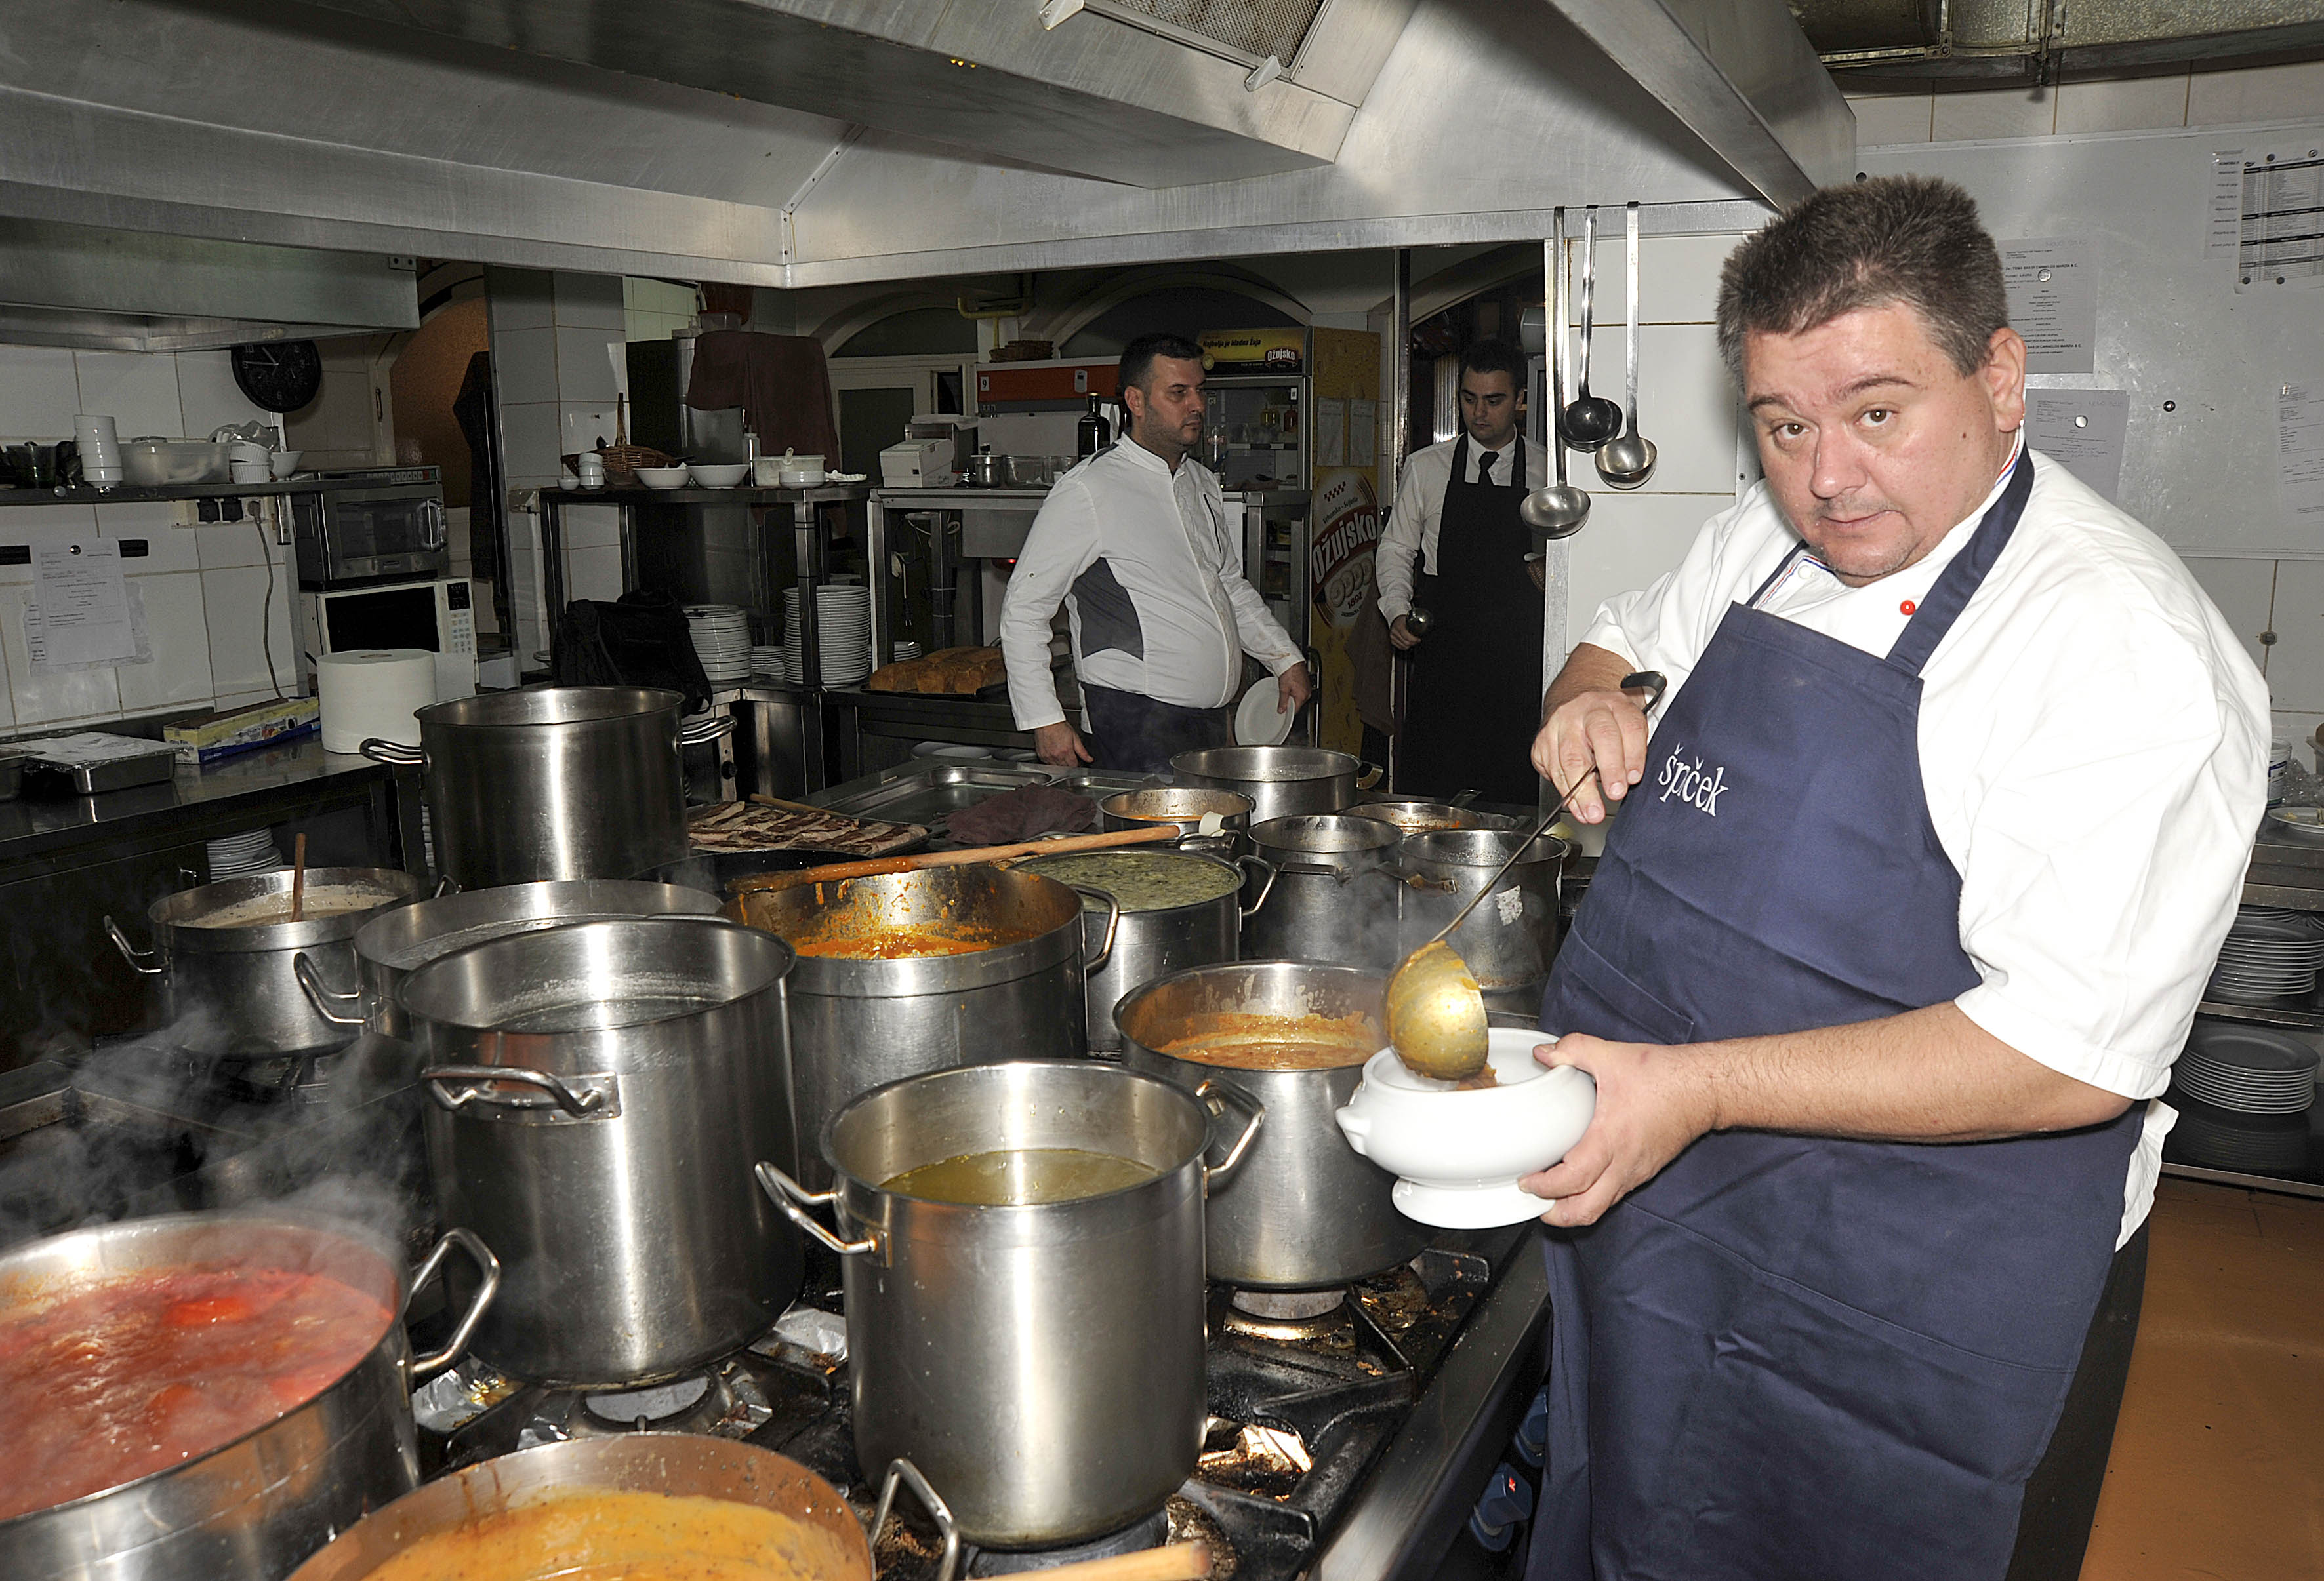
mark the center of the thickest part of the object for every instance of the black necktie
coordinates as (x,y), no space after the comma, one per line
(1485,467)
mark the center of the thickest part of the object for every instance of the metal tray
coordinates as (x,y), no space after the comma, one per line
(63,771)
(926,795)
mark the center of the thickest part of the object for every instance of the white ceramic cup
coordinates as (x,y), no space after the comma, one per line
(767,471)
(590,469)
(95,429)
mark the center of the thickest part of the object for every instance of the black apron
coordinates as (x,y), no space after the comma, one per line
(1472,703)
(1788,1357)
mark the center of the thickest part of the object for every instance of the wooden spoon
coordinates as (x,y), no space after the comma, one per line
(1177,1561)
(298,879)
(872,867)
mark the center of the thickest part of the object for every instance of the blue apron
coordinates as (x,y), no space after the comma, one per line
(1791,1356)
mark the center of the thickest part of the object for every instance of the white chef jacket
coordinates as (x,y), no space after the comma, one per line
(1151,578)
(2093,749)
(1419,510)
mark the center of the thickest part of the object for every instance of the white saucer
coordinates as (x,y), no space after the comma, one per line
(1484,1207)
(1256,721)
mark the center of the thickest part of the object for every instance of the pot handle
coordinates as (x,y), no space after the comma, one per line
(327,1002)
(1315,871)
(1266,885)
(379,750)
(1368,775)
(589,1103)
(1091,963)
(1217,1097)
(904,1471)
(146,964)
(705,729)
(489,1267)
(794,1199)
(446,884)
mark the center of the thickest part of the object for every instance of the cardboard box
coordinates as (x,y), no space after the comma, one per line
(208,736)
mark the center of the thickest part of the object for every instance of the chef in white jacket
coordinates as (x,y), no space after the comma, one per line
(1135,542)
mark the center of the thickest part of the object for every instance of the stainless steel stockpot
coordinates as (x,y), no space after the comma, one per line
(602,1090)
(391,947)
(1305,1211)
(249,1510)
(1041,1362)
(1412,817)
(1147,944)
(235,990)
(1280,781)
(858,1022)
(1331,895)
(554,782)
(1510,938)
(1183,806)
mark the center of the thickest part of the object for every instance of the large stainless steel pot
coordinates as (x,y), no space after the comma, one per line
(235,990)
(1281,781)
(1333,893)
(1418,817)
(1147,944)
(1305,1211)
(1185,806)
(554,782)
(682,1466)
(857,1023)
(249,1510)
(1041,1362)
(390,948)
(1510,938)
(601,1090)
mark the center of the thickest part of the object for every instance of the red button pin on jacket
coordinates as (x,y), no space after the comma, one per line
(1907,607)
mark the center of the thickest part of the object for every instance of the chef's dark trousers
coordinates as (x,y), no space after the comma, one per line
(1135,734)
(2061,1496)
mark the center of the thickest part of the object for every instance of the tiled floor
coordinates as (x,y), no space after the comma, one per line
(2218,1469)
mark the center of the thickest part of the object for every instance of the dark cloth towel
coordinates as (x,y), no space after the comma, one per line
(781,381)
(642,640)
(1023,813)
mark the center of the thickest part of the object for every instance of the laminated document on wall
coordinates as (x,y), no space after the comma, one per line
(84,613)
(1331,433)
(1363,434)
(2082,430)
(2054,302)
(2300,455)
(2280,243)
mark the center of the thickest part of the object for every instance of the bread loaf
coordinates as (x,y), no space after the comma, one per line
(953,672)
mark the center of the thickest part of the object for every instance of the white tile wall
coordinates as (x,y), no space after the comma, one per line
(140,392)
(231,601)
(591,526)
(593,573)
(520,298)
(2125,104)
(177,631)
(49,699)
(524,364)
(2295,664)
(2176,98)
(1888,118)
(1630,540)
(39,393)
(589,301)
(2008,112)
(168,548)
(2265,93)
(1686,405)
(529,431)
(2245,591)
(585,372)
(208,397)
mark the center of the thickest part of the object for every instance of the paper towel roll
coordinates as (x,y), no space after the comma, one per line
(374,692)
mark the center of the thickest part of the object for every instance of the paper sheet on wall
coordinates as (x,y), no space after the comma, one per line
(2223,205)
(82,614)
(2082,430)
(2054,302)
(2300,455)
(1331,433)
(1363,432)
(2281,243)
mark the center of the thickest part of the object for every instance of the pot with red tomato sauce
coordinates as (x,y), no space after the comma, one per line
(205,1396)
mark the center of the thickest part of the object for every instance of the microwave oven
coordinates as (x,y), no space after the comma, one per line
(374,531)
(439,616)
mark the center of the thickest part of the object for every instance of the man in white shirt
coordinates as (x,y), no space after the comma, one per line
(1135,541)
(1474,694)
(1914,894)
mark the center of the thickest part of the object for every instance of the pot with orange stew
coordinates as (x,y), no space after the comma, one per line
(1305,1211)
(206,1396)
(904,973)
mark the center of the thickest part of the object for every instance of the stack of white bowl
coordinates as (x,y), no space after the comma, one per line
(907,650)
(843,617)
(722,640)
(235,856)
(98,443)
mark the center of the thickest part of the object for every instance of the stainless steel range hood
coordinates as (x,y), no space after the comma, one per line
(797,143)
(115,290)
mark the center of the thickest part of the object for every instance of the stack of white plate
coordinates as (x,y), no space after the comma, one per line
(843,619)
(766,658)
(237,856)
(906,651)
(2269,955)
(722,640)
(2248,1070)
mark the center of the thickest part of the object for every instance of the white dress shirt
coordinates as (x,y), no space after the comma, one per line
(1419,510)
(2093,746)
(1150,573)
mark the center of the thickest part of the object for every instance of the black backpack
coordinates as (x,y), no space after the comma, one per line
(641,641)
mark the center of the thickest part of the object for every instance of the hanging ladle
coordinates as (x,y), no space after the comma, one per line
(1591,420)
(1435,1010)
(1626,460)
(1556,509)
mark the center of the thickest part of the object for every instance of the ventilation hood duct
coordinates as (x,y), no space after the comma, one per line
(2038,39)
(113,290)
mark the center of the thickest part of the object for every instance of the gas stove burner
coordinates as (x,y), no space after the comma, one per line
(1288,1304)
(1151,1532)
(686,1405)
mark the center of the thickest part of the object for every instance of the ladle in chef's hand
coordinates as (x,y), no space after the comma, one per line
(1435,1011)
(1590,420)
(1555,510)
(1627,460)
